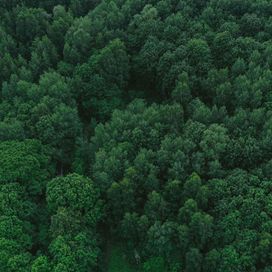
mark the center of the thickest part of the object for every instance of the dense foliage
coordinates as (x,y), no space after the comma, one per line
(136,135)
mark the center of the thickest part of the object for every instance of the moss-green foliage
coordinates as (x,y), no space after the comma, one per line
(144,122)
(117,260)
(155,264)
(26,162)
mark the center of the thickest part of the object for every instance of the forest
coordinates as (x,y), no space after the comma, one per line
(135,136)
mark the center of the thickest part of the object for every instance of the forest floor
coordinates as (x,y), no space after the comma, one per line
(117,260)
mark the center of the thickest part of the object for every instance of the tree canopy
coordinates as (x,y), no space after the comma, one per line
(135,134)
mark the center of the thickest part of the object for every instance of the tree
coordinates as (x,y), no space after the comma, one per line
(133,229)
(214,145)
(222,49)
(99,83)
(54,118)
(171,66)
(156,207)
(75,210)
(186,212)
(43,56)
(201,229)
(76,193)
(59,129)
(193,260)
(62,20)
(30,23)
(14,229)
(77,254)
(14,202)
(161,239)
(80,8)
(25,162)
(155,264)
(182,92)
(214,134)
(192,186)
(212,260)
(11,130)
(199,56)
(143,25)
(250,24)
(41,264)
(8,66)
(230,260)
